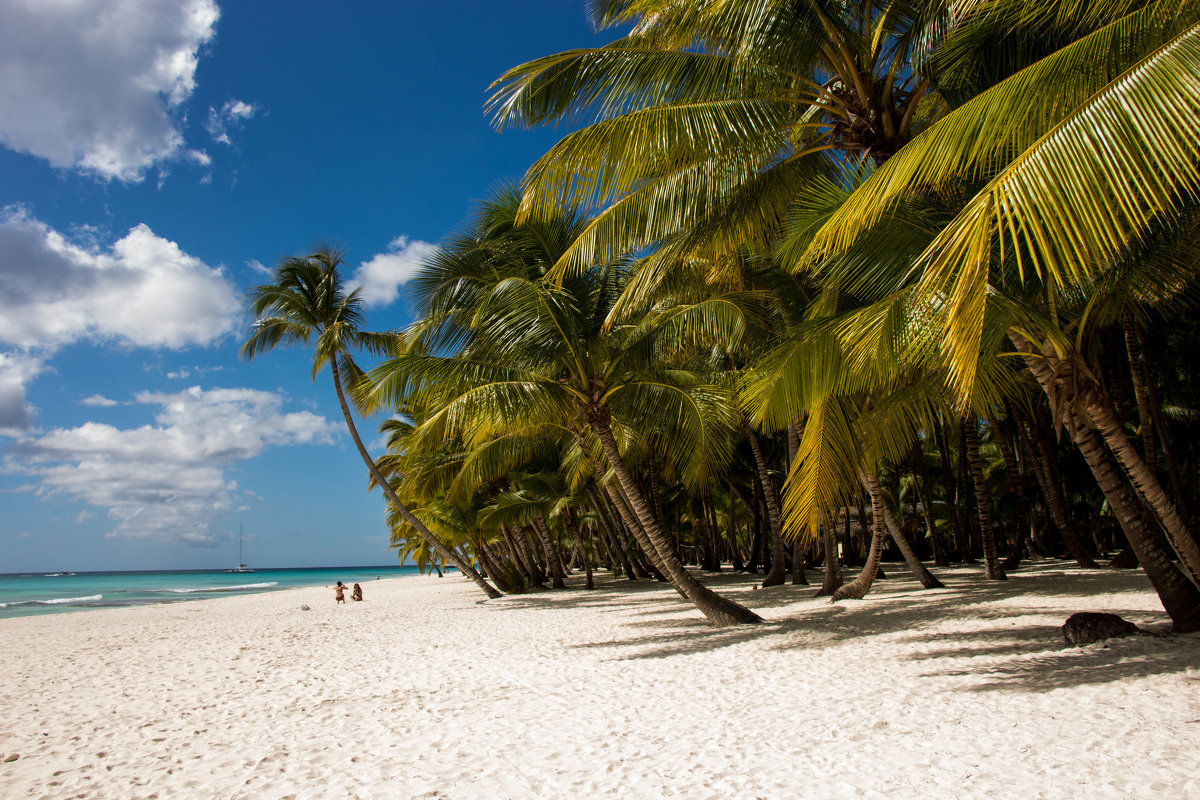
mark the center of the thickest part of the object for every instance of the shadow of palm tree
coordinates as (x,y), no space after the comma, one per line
(1106,662)
(1032,652)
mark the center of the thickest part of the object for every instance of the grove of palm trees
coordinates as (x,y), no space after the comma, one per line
(822,292)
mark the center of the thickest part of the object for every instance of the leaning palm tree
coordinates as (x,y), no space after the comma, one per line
(1033,313)
(534,354)
(308,303)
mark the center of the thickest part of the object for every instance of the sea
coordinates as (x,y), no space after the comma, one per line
(30,593)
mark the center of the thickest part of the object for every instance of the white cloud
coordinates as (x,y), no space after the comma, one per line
(143,290)
(229,116)
(98,401)
(167,481)
(97,85)
(16,415)
(179,375)
(381,277)
(258,266)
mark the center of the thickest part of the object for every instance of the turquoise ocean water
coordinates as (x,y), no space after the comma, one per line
(31,593)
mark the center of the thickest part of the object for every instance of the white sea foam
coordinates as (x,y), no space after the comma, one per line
(60,601)
(239,588)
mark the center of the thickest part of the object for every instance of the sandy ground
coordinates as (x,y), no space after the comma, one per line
(422,691)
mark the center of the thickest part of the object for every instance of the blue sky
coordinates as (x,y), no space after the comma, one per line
(156,156)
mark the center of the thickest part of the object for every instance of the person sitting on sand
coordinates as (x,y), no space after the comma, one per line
(339,592)
(357,594)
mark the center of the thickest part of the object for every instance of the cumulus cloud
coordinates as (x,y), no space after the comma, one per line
(98,401)
(143,290)
(381,277)
(229,116)
(166,481)
(16,415)
(98,85)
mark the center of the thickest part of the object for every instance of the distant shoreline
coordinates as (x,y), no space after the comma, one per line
(36,573)
(35,594)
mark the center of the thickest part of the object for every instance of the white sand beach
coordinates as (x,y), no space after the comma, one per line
(625,691)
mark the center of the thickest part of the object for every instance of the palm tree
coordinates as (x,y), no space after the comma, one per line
(1057,137)
(535,354)
(437,487)
(709,118)
(728,324)
(307,303)
(1045,194)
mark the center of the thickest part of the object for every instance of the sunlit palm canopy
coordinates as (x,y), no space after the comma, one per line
(709,118)
(1074,161)
(308,304)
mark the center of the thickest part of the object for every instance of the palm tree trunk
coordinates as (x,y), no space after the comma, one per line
(833,565)
(604,551)
(1145,483)
(778,572)
(756,548)
(1018,481)
(581,551)
(503,575)
(702,531)
(589,583)
(849,545)
(795,433)
(858,588)
(653,567)
(720,611)
(519,557)
(534,552)
(553,561)
(616,547)
(645,557)
(992,568)
(656,495)
(1047,476)
(731,531)
(1179,596)
(925,497)
(1168,450)
(445,552)
(798,556)
(713,529)
(871,484)
(966,493)
(952,493)
(1133,348)
(1148,488)
(521,535)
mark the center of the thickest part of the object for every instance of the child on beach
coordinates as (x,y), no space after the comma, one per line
(339,593)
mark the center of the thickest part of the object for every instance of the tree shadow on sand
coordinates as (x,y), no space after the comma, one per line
(1105,662)
(1029,655)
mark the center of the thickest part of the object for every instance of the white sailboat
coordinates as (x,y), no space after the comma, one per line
(241,567)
